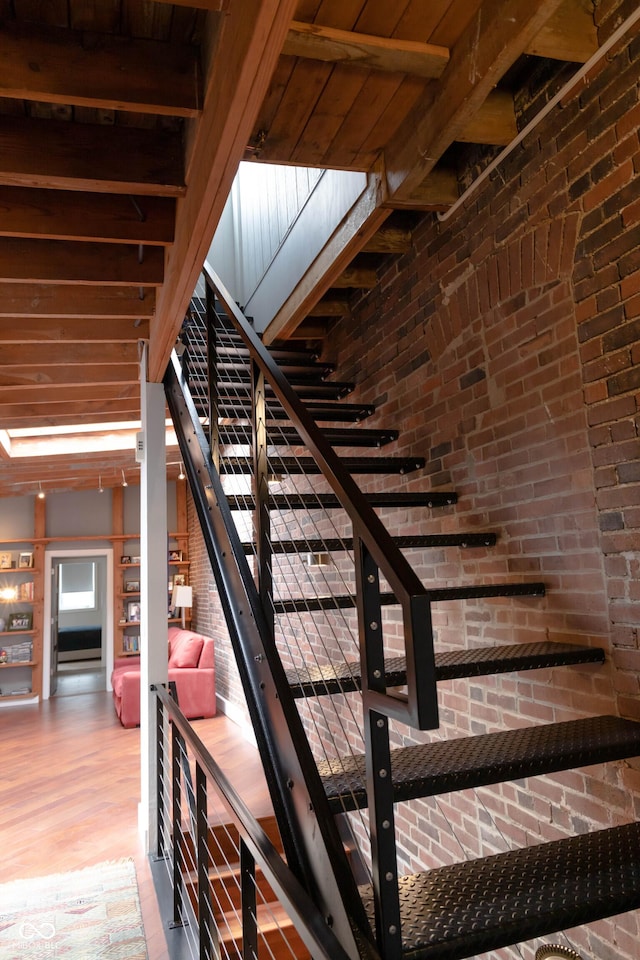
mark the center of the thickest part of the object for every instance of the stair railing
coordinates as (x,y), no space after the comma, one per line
(375,554)
(312,844)
(373,545)
(206,903)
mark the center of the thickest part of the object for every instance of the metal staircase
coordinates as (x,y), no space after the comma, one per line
(230,383)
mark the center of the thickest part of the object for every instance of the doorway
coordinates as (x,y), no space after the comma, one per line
(78,622)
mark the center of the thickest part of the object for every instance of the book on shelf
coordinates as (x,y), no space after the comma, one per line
(131,643)
(25,590)
(19,652)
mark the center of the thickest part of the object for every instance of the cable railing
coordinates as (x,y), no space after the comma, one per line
(331,732)
(373,546)
(233,892)
(247,412)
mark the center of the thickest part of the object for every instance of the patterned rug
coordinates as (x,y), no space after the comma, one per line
(91,914)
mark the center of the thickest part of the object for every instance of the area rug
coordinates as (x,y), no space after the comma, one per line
(91,914)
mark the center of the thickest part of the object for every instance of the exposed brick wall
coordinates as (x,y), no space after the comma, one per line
(505,348)
(504,345)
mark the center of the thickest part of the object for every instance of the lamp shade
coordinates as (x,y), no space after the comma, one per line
(182,596)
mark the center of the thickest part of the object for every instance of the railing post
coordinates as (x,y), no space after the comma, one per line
(212,377)
(176,813)
(378,758)
(262,520)
(249,903)
(207,930)
(162,793)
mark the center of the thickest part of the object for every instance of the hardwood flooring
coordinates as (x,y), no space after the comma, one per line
(71,784)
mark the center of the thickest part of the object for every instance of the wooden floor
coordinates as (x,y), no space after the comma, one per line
(70,787)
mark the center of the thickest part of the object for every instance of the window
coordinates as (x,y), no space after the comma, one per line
(77,586)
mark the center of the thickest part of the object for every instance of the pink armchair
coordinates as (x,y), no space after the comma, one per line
(191,665)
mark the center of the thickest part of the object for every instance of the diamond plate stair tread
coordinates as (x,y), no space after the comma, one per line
(469,908)
(308,466)
(330,678)
(473,592)
(321,390)
(289,436)
(335,412)
(445,765)
(337,545)
(329,501)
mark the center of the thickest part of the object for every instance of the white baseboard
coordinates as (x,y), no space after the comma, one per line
(238,716)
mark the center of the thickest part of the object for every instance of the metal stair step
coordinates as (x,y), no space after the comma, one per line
(447,765)
(467,909)
(307,390)
(328,501)
(336,545)
(336,412)
(308,466)
(344,602)
(316,681)
(233,363)
(337,437)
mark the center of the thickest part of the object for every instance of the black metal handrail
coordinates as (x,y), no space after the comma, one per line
(301,908)
(312,844)
(418,707)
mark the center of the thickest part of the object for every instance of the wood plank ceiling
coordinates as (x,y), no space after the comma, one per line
(122,123)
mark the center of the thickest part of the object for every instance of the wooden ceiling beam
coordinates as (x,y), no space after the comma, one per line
(494,38)
(62,261)
(77,215)
(67,394)
(92,157)
(63,353)
(329,308)
(41,330)
(109,72)
(388,54)
(494,123)
(68,472)
(569,34)
(436,192)
(364,278)
(309,330)
(88,374)
(21,415)
(20,300)
(199,4)
(245,51)
(389,240)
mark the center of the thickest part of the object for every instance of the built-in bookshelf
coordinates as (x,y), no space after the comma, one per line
(127,580)
(21,599)
(127,619)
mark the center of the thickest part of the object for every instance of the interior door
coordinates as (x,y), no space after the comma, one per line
(53,670)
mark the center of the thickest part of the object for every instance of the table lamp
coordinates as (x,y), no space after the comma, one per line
(182,598)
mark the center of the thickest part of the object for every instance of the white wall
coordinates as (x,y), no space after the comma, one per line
(276,222)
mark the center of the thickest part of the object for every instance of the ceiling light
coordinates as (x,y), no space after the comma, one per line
(100,487)
(181,474)
(41,493)
(124,479)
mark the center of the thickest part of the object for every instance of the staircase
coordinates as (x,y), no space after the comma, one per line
(228,891)
(448,912)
